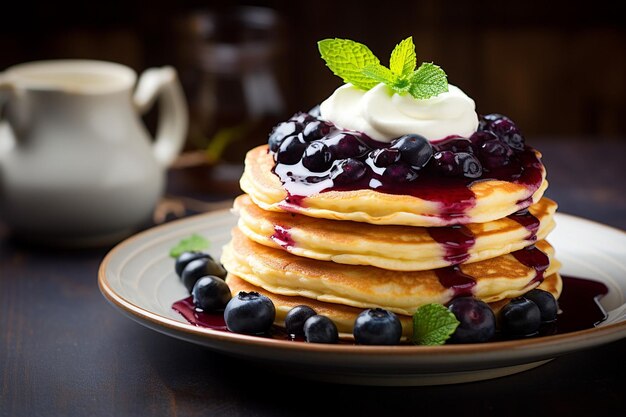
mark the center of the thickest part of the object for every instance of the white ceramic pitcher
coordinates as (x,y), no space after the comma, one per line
(77,165)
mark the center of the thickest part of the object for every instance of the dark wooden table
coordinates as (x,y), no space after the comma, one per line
(64,351)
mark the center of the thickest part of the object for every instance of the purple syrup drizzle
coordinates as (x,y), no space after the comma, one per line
(282,237)
(532,257)
(456,242)
(530,222)
(453,277)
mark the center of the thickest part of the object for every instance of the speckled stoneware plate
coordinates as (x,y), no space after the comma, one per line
(138,278)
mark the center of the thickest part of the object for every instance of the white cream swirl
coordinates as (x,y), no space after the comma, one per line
(384,115)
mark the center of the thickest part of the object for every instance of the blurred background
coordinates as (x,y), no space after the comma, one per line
(557,68)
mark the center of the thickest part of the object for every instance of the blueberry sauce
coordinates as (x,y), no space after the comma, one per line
(530,222)
(453,194)
(456,242)
(188,310)
(579,305)
(282,237)
(453,277)
(532,257)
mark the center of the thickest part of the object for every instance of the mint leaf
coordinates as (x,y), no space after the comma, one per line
(433,324)
(379,74)
(356,64)
(403,59)
(427,81)
(192,243)
(346,59)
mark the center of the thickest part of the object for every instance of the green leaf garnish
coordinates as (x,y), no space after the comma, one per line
(356,64)
(346,59)
(433,324)
(192,243)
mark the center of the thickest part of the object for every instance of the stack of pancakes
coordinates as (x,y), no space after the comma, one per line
(341,252)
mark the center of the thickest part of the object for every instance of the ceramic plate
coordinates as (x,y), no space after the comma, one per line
(138,278)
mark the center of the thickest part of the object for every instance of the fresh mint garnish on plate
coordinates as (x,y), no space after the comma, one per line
(356,64)
(192,243)
(433,324)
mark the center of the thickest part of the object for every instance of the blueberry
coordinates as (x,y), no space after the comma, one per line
(377,327)
(210,293)
(320,329)
(291,150)
(347,171)
(485,121)
(199,268)
(520,317)
(186,257)
(295,318)
(344,145)
(400,173)
(470,165)
(317,157)
(315,130)
(249,313)
(454,144)
(415,150)
(546,302)
(477,321)
(280,132)
(494,154)
(483,124)
(508,133)
(478,138)
(446,163)
(384,157)
(302,118)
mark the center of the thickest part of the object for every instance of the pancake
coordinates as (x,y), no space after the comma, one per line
(283,273)
(343,316)
(400,248)
(491,199)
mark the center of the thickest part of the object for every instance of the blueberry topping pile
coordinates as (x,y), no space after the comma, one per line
(318,151)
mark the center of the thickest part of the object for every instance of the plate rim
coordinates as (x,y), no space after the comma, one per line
(141,314)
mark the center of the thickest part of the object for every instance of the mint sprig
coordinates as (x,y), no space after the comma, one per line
(192,243)
(356,64)
(433,324)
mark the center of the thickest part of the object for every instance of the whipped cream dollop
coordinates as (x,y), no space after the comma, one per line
(384,115)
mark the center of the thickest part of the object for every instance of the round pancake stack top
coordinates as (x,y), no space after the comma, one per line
(342,219)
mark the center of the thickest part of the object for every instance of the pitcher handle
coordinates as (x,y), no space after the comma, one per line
(7,141)
(173,116)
